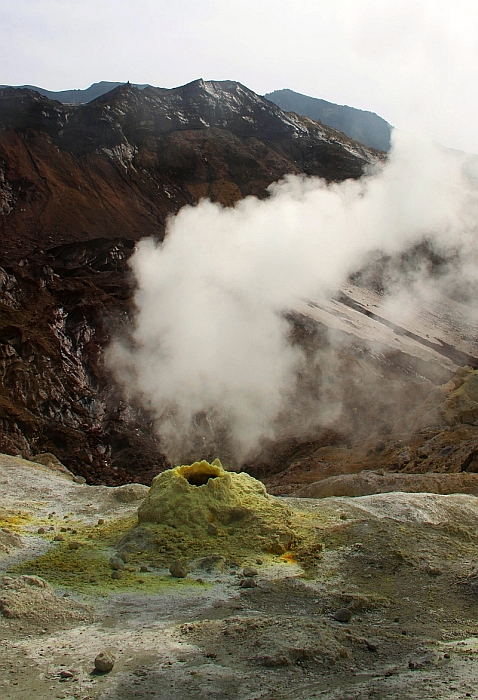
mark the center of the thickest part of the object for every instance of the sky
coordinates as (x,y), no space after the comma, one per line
(414,62)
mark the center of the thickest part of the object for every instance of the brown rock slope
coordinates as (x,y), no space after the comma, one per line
(439,458)
(78,187)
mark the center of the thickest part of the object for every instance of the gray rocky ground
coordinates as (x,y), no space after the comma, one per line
(402,566)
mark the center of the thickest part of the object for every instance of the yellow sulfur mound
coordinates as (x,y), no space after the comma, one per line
(203,493)
(199,499)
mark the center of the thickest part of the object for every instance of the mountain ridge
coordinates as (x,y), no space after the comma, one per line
(362,125)
(75,95)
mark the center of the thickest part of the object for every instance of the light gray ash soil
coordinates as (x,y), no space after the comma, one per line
(403,564)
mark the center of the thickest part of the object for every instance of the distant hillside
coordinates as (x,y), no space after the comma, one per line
(366,127)
(77,97)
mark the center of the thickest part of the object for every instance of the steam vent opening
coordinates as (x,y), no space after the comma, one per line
(199,473)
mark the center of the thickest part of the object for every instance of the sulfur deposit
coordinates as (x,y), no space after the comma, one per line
(201,507)
(191,497)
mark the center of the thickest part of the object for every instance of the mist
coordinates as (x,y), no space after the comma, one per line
(210,352)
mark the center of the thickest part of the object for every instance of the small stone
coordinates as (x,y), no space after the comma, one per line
(59,538)
(178,569)
(144,569)
(276,548)
(343,516)
(212,529)
(117,563)
(130,493)
(66,674)
(101,521)
(422,660)
(275,661)
(74,545)
(249,572)
(41,530)
(259,561)
(79,480)
(104,662)
(371,646)
(116,574)
(390,671)
(63,529)
(446,656)
(342,615)
(124,556)
(248,582)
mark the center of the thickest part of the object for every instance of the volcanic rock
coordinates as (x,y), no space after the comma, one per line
(178,569)
(366,483)
(104,662)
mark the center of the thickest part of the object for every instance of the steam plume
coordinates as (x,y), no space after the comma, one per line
(209,350)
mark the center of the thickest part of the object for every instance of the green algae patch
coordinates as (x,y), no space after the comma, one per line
(88,571)
(80,561)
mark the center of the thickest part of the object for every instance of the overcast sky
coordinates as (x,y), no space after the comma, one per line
(414,62)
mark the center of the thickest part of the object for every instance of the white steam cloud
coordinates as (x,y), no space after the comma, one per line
(209,350)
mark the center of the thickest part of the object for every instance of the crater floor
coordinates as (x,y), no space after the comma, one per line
(401,566)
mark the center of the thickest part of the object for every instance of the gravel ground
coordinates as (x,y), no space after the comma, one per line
(401,564)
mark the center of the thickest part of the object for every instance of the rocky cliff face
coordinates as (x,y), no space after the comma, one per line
(78,187)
